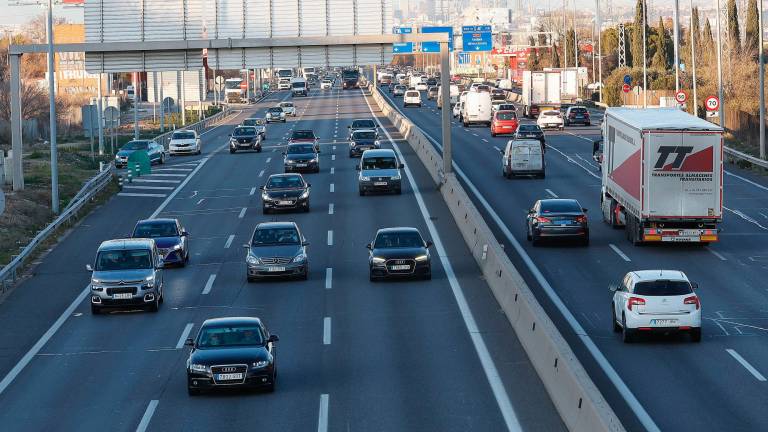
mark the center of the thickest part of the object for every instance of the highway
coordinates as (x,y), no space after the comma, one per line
(716,385)
(433,355)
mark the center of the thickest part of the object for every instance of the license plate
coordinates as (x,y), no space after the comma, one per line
(663,322)
(681,239)
(380,183)
(121,296)
(401,267)
(285,202)
(507,127)
(276,269)
(563,224)
(229,376)
(301,165)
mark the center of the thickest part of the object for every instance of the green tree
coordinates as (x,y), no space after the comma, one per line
(568,47)
(707,43)
(660,58)
(533,56)
(636,44)
(555,57)
(542,37)
(751,30)
(733,26)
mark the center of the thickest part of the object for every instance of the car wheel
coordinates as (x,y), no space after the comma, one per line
(192,391)
(398,191)
(271,388)
(371,277)
(306,208)
(351,155)
(585,240)
(305,275)
(493,134)
(162,158)
(155,305)
(231,150)
(543,175)
(588,124)
(535,239)
(528,232)
(696,334)
(362,192)
(264,210)
(616,326)
(258,149)
(627,335)
(95,310)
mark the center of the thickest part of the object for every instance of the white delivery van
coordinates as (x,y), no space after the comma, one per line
(477,109)
(454,94)
(523,157)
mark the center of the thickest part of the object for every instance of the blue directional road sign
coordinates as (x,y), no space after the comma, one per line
(430,47)
(402,47)
(464,58)
(435,46)
(402,30)
(477,38)
(627,80)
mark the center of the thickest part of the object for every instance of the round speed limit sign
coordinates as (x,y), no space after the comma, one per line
(681,97)
(712,103)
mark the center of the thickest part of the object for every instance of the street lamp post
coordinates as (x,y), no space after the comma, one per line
(52,115)
(693,64)
(720,67)
(761,59)
(676,33)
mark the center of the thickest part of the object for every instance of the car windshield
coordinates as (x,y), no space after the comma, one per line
(275,236)
(300,149)
(560,206)
(282,182)
(506,116)
(364,135)
(528,128)
(388,240)
(578,110)
(230,336)
(412,94)
(287,104)
(551,113)
(232,85)
(244,131)
(506,107)
(303,134)
(183,135)
(155,229)
(363,124)
(382,162)
(124,260)
(663,288)
(250,122)
(298,85)
(277,110)
(136,145)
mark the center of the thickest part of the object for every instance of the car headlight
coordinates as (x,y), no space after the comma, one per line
(177,247)
(352,144)
(96,287)
(395,177)
(422,258)
(194,367)
(305,194)
(264,196)
(377,143)
(260,364)
(300,258)
(364,178)
(149,282)
(290,161)
(378,260)
(252,259)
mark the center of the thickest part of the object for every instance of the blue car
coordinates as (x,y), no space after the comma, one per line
(155,151)
(171,238)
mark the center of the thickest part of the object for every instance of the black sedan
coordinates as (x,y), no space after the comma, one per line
(232,352)
(529,131)
(557,218)
(399,252)
(362,140)
(171,238)
(285,192)
(245,138)
(301,157)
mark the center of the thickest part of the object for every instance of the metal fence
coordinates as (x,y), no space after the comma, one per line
(198,127)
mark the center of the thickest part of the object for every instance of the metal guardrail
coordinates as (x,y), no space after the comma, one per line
(735,154)
(9,273)
(198,127)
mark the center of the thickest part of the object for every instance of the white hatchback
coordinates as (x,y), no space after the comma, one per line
(422,86)
(550,119)
(659,301)
(412,97)
(184,142)
(326,84)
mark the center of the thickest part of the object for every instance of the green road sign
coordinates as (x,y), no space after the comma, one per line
(138,163)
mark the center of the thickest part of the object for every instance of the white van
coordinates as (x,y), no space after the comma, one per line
(454,94)
(412,97)
(477,109)
(523,157)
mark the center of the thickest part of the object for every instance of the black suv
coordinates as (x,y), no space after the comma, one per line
(245,138)
(285,192)
(301,157)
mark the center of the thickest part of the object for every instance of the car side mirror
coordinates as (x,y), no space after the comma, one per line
(273,338)
(160,263)
(429,243)
(584,209)
(357,167)
(89,267)
(349,126)
(401,166)
(184,233)
(246,246)
(285,153)
(305,243)
(189,342)
(261,187)
(613,287)
(309,184)
(694,285)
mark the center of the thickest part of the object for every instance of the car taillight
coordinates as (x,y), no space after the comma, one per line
(586,114)
(635,301)
(572,115)
(581,219)
(543,220)
(694,300)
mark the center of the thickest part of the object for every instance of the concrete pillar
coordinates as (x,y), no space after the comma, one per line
(183,99)
(16,143)
(162,106)
(100,114)
(446,112)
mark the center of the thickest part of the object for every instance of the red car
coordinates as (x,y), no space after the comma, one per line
(504,122)
(304,136)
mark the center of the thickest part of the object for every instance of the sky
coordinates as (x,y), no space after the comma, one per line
(18,15)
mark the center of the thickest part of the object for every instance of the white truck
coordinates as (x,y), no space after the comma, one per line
(541,92)
(477,109)
(453,93)
(662,175)
(233,90)
(299,87)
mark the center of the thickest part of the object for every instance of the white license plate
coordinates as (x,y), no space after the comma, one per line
(285,202)
(275,269)
(681,239)
(380,183)
(301,165)
(401,267)
(229,376)
(121,296)
(507,127)
(663,322)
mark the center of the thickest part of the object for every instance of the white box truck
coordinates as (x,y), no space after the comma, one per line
(541,92)
(477,109)
(453,93)
(662,175)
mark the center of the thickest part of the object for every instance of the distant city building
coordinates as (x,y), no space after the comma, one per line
(71,77)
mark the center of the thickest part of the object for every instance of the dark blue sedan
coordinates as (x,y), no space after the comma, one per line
(155,151)
(171,238)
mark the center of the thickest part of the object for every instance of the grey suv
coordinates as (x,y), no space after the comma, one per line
(127,273)
(276,249)
(379,172)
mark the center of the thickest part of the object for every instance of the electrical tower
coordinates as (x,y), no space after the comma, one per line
(622,47)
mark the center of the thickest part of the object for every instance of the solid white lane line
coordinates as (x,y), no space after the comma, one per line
(333,170)
(144,424)
(184,335)
(261,173)
(129,194)
(327,331)
(330,237)
(229,241)
(269,159)
(253,191)
(328,278)
(554,195)
(573,161)
(332,187)
(746,364)
(489,367)
(242,213)
(716,253)
(173,169)
(201,201)
(619,252)
(330,208)
(322,416)
(209,284)
(149,187)
(746,180)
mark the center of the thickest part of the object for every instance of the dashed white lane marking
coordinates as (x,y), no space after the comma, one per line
(242,213)
(573,161)
(332,187)
(128,194)
(229,241)
(173,169)
(619,252)
(330,237)
(200,201)
(269,159)
(330,208)
(147,417)
(167,175)
(155,181)
(253,191)
(717,254)
(209,284)
(261,173)
(746,364)
(327,331)
(322,416)
(552,194)
(333,157)
(497,148)
(328,278)
(333,170)
(485,140)
(184,335)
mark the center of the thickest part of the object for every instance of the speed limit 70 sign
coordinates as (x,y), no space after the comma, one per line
(712,103)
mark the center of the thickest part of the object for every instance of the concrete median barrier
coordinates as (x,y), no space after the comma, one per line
(577,399)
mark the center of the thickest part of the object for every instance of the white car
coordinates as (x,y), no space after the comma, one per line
(412,97)
(457,108)
(550,119)
(275,114)
(661,301)
(284,84)
(184,142)
(422,86)
(288,108)
(326,84)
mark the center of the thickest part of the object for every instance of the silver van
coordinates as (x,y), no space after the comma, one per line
(126,273)
(379,172)
(523,157)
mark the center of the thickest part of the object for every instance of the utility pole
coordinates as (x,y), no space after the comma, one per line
(599,19)
(720,67)
(565,35)
(135,105)
(761,59)
(693,64)
(100,116)
(676,34)
(52,115)
(575,39)
(645,56)
(445,83)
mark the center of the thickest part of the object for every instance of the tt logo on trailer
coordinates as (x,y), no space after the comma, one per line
(665,151)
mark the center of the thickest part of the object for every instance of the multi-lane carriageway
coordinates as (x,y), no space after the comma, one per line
(717,385)
(353,355)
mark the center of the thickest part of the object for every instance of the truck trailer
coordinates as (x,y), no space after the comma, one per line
(662,175)
(541,92)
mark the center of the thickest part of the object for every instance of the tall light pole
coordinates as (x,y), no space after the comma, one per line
(575,39)
(52,115)
(761,59)
(720,67)
(676,33)
(693,63)
(645,56)
(565,34)
(599,16)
